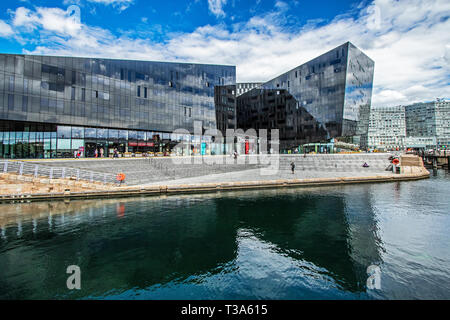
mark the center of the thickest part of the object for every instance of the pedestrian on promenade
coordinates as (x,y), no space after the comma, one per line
(101,152)
(96,153)
(293,167)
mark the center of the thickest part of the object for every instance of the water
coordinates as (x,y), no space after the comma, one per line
(313,243)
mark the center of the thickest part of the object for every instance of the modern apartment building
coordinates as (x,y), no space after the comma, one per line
(243,87)
(429,120)
(387,128)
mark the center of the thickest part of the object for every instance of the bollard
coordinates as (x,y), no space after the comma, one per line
(21,169)
(63,173)
(5,167)
(51,173)
(36,169)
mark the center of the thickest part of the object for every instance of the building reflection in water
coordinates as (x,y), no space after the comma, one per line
(185,239)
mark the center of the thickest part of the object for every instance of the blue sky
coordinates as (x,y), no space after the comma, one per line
(408,40)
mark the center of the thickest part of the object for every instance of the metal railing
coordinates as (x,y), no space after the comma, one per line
(39,170)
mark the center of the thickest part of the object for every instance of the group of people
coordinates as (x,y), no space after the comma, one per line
(101,153)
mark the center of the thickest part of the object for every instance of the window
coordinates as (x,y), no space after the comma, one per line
(24,103)
(10,101)
(145,92)
(74,77)
(190,112)
(96,94)
(72,93)
(83,94)
(11,83)
(138,91)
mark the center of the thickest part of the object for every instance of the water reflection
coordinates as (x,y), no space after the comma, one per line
(296,243)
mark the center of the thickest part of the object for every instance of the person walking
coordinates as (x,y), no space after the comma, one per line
(293,167)
(96,153)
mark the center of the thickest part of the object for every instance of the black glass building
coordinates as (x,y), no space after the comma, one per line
(327,97)
(55,106)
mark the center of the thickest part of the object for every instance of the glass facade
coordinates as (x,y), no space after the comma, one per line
(53,106)
(327,97)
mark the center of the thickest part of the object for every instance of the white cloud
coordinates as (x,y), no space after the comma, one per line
(216,7)
(120,4)
(49,20)
(408,40)
(5,29)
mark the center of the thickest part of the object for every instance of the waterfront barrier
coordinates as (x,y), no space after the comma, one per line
(36,170)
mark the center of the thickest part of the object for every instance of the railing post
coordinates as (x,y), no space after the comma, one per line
(5,167)
(21,169)
(36,168)
(51,173)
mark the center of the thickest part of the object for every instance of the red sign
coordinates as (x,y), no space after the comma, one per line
(150,144)
(132,144)
(247,146)
(142,144)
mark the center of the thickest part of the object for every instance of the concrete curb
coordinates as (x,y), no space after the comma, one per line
(214,187)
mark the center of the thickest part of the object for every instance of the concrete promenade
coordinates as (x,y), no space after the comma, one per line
(163,176)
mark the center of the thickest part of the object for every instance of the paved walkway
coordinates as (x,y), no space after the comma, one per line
(255,175)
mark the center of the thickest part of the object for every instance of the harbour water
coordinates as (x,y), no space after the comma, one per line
(306,243)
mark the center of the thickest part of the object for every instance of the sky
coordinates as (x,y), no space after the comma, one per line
(409,40)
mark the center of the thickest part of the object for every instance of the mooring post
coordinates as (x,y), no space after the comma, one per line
(21,169)
(36,168)
(5,167)
(51,173)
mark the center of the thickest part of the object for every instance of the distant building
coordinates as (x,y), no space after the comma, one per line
(387,128)
(244,87)
(430,120)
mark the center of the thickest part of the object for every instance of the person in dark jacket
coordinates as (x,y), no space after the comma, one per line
(293,167)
